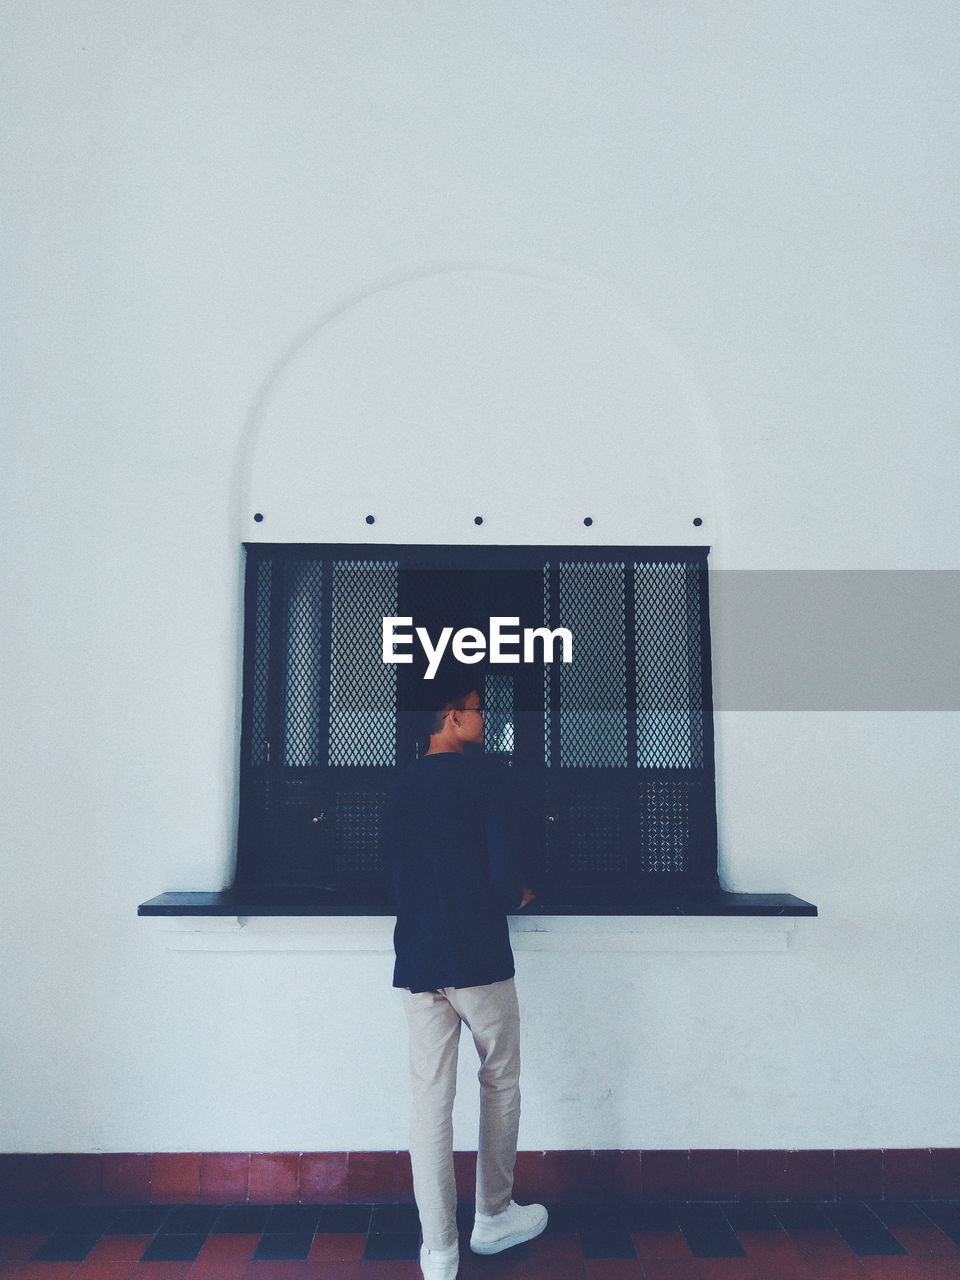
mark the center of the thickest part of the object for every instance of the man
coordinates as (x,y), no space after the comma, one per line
(455,876)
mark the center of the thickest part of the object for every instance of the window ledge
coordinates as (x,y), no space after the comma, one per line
(227,921)
(702,901)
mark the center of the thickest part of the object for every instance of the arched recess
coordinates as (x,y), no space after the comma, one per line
(531,398)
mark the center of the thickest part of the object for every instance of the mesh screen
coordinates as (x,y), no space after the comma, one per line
(669,714)
(363,688)
(590,706)
(259,746)
(304,684)
(498,727)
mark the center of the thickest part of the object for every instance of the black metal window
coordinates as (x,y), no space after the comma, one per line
(610,757)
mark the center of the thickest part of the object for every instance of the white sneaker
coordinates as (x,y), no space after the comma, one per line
(518,1222)
(439,1264)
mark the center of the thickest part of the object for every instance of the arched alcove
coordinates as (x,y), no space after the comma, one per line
(530,399)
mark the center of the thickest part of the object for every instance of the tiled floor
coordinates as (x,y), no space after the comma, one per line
(912,1240)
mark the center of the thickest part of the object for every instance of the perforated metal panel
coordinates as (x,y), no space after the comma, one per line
(259,743)
(667,608)
(306,663)
(590,707)
(363,688)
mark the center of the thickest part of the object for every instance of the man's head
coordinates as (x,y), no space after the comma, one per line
(457,720)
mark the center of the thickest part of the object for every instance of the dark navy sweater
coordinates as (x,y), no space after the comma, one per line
(453,864)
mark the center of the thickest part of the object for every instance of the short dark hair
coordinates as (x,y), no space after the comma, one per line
(422,703)
(455,699)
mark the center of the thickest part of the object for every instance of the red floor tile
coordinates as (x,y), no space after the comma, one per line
(891,1268)
(323,1177)
(19,1248)
(671,1269)
(827,1264)
(175,1178)
(389,1271)
(272,1270)
(945,1173)
(337,1248)
(331,1270)
(562,1247)
(727,1268)
(713,1175)
(228,1248)
(572,1269)
(859,1175)
(906,1173)
(815,1243)
(224,1177)
(768,1246)
(215,1269)
(274,1177)
(656,1245)
(613,1269)
(161,1270)
(47,1270)
(811,1175)
(118,1249)
(664,1174)
(762,1174)
(126,1177)
(940,1268)
(788,1268)
(115,1270)
(924,1240)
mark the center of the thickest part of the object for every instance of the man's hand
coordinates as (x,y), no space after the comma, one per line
(528,896)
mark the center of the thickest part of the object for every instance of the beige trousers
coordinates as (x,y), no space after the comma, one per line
(434,1017)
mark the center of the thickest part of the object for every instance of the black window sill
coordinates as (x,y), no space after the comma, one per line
(701,901)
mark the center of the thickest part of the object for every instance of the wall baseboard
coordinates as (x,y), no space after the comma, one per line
(343,1177)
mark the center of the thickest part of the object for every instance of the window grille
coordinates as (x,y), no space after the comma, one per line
(609,758)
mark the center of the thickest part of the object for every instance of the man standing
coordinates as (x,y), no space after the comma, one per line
(455,875)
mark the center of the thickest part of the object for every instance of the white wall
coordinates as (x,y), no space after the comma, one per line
(768,191)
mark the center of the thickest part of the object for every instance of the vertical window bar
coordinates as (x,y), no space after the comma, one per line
(305,672)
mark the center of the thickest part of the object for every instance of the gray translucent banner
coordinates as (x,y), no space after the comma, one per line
(835,640)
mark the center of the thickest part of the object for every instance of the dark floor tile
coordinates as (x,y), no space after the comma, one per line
(29,1220)
(283,1246)
(898,1213)
(944,1214)
(173,1248)
(611,1216)
(868,1240)
(392,1246)
(651,1215)
(242,1219)
(345,1219)
(563,1216)
(138,1220)
(191,1220)
(707,1231)
(861,1229)
(86,1217)
(66,1246)
(751,1215)
(293,1217)
(803,1214)
(389,1218)
(606,1242)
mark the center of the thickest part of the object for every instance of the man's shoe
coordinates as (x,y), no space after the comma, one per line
(518,1222)
(439,1264)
